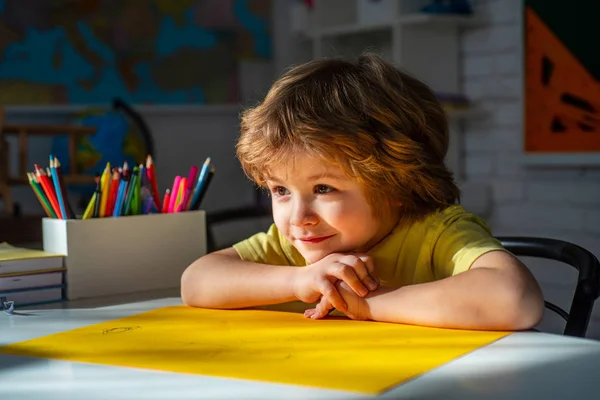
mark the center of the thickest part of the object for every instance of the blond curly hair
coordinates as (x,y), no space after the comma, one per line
(383,127)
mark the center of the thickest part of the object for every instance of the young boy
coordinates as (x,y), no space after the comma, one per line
(365,211)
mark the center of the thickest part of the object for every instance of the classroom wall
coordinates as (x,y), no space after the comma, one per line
(554,202)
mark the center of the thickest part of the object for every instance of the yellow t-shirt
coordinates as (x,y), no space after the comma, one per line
(445,243)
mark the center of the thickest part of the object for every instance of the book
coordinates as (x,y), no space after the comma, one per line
(18,259)
(29,297)
(37,280)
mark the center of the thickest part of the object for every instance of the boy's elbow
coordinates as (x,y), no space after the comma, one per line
(525,307)
(189,285)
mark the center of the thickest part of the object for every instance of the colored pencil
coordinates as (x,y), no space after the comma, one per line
(151,173)
(39,193)
(138,193)
(105,182)
(89,210)
(112,194)
(63,188)
(131,191)
(166,200)
(181,194)
(203,189)
(99,196)
(120,195)
(174,192)
(199,183)
(192,176)
(49,189)
(59,194)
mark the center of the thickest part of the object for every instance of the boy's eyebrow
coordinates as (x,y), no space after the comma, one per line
(315,177)
(325,175)
(272,178)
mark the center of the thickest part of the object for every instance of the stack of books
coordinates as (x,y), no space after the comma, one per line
(30,277)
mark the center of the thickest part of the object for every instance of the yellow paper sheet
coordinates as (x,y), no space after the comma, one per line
(337,353)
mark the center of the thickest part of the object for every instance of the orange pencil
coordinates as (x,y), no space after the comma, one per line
(181,194)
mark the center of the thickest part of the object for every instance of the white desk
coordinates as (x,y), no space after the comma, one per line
(525,365)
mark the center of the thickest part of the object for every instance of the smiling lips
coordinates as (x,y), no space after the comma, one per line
(314,239)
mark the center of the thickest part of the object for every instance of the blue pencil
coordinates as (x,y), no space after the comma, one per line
(199,183)
(119,200)
(57,188)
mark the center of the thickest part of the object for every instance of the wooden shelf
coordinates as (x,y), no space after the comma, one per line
(417,19)
(471,112)
(49,130)
(352,29)
(433,20)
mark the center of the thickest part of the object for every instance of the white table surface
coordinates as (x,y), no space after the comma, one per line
(524,365)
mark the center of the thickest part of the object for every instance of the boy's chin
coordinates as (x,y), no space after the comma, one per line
(314,256)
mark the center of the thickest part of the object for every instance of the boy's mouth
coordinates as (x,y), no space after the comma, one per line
(314,239)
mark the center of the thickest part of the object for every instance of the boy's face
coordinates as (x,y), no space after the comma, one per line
(320,210)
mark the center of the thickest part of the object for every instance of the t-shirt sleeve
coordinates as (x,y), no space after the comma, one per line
(461,240)
(268,248)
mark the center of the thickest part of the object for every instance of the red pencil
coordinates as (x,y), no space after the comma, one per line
(48,189)
(165,207)
(112,194)
(151,173)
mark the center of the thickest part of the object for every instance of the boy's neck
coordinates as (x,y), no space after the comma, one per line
(388,224)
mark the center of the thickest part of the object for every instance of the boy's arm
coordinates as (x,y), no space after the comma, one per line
(497,293)
(223,280)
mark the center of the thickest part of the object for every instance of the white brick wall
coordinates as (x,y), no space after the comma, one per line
(552,202)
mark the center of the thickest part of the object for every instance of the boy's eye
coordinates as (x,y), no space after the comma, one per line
(323,189)
(280,191)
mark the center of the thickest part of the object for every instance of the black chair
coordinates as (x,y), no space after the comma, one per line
(261,207)
(588,279)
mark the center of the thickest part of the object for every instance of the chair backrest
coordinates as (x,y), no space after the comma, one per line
(588,279)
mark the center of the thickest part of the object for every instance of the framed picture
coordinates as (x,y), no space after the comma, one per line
(562,81)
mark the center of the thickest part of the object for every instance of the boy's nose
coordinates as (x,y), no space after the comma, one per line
(302,215)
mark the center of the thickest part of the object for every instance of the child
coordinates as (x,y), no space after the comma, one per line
(365,211)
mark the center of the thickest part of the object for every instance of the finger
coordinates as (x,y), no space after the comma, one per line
(357,262)
(310,312)
(344,290)
(331,294)
(369,263)
(322,309)
(370,266)
(348,274)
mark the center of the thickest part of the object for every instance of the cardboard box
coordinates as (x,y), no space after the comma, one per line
(109,256)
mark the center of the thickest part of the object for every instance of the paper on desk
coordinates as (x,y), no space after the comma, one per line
(281,347)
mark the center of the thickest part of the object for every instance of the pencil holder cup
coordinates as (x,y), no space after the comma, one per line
(110,256)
